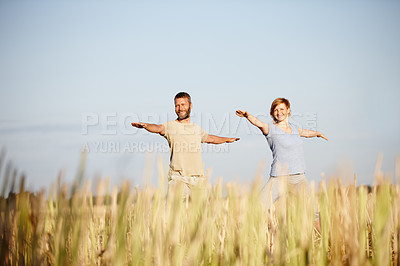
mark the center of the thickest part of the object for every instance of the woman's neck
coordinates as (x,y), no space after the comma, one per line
(284,123)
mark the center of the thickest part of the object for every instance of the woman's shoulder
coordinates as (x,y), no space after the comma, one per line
(294,126)
(271,128)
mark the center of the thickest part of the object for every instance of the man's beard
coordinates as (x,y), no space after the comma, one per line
(184,116)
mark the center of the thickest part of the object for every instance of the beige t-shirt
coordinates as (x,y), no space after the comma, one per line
(185,140)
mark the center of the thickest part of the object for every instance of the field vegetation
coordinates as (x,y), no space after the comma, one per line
(73,225)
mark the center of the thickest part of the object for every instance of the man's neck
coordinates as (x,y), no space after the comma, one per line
(186,120)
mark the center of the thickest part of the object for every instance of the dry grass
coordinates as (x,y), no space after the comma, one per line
(128,226)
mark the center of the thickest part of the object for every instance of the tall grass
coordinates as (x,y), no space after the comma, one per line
(225,226)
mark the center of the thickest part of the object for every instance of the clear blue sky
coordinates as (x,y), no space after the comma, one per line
(338,62)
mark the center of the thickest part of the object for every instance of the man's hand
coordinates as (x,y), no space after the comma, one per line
(139,125)
(230,140)
(242,113)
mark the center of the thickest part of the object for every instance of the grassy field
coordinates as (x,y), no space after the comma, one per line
(226,226)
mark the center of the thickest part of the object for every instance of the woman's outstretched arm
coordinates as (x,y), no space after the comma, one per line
(306,133)
(252,119)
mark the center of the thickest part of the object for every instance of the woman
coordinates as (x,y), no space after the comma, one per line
(283,137)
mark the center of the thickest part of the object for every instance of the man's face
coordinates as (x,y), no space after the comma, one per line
(182,108)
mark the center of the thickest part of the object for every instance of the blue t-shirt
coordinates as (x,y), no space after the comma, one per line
(287,151)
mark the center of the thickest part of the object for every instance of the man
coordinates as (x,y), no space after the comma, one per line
(184,139)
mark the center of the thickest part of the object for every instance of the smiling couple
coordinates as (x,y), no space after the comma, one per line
(185,137)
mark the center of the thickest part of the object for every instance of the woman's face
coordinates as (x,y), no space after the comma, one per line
(281,112)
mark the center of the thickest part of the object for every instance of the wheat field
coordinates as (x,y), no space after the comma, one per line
(227,225)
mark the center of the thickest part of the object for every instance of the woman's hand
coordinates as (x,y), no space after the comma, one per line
(242,113)
(320,135)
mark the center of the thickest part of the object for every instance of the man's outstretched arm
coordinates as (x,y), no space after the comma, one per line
(153,128)
(219,140)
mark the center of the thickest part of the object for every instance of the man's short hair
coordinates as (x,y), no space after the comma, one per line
(183,95)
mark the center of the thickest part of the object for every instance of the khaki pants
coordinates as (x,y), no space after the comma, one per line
(176,179)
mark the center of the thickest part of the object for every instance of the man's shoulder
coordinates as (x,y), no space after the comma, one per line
(197,126)
(168,126)
(170,123)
